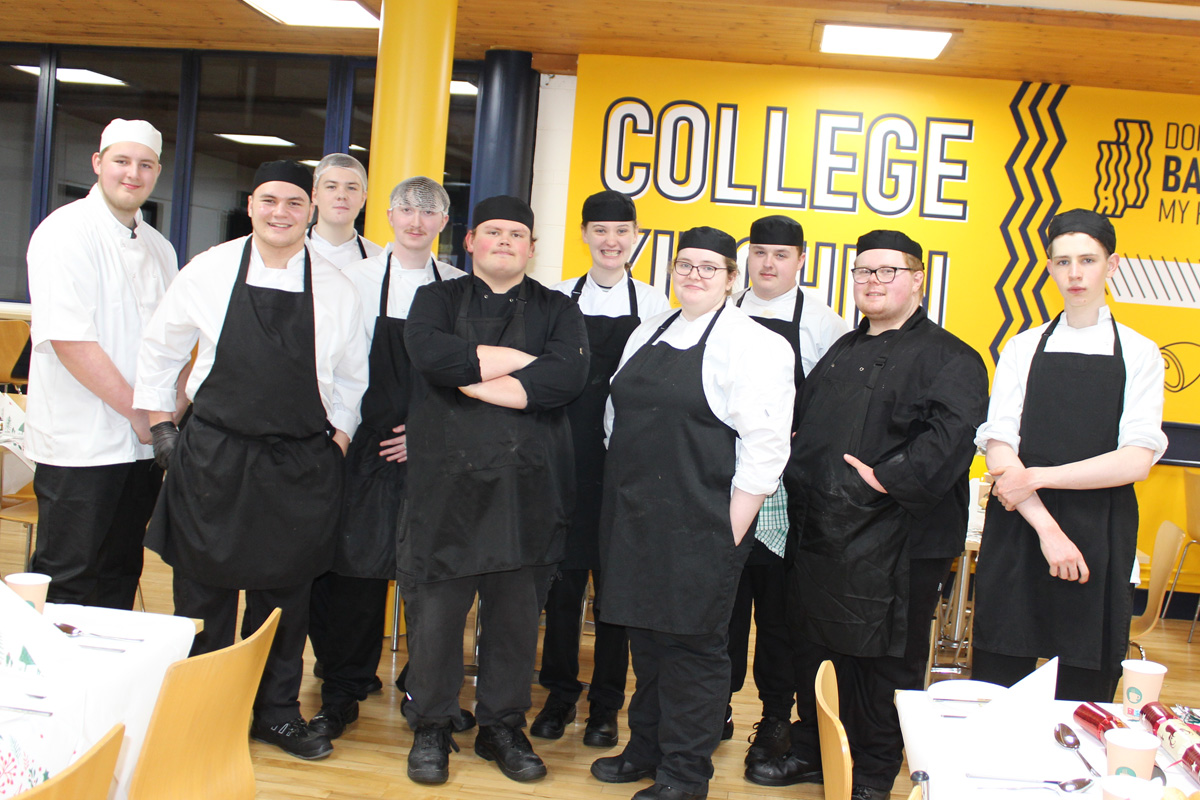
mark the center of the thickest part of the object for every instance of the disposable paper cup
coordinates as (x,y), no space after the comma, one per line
(1127,787)
(1141,683)
(1131,752)
(30,587)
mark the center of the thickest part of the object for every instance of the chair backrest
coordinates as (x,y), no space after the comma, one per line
(1166,552)
(915,794)
(197,744)
(14,335)
(1191,501)
(835,747)
(89,777)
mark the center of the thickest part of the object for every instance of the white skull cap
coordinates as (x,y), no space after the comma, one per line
(132,130)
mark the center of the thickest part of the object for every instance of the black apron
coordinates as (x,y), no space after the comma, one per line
(252,495)
(491,488)
(1072,411)
(374,490)
(669,561)
(606,338)
(848,544)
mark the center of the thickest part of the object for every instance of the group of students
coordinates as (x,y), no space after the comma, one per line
(356,414)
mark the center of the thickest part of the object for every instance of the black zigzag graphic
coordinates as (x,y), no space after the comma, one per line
(1123,168)
(1030,169)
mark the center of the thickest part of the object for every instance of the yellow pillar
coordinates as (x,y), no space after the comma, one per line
(412,106)
(412,100)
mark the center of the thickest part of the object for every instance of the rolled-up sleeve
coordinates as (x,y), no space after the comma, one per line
(1141,419)
(919,476)
(64,289)
(442,357)
(760,389)
(559,373)
(167,344)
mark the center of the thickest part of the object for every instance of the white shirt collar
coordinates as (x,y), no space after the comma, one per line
(96,198)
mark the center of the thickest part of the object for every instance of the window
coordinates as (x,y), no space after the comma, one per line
(18,110)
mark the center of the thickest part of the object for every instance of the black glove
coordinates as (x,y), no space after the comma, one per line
(165,436)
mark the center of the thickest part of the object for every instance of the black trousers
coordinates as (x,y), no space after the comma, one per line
(1074,683)
(763,590)
(560,647)
(91,523)
(867,686)
(345,625)
(510,607)
(279,690)
(678,705)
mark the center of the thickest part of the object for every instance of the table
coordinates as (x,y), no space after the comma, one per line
(86,684)
(948,748)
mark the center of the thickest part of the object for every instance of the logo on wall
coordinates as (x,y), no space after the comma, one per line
(1182,362)
(1123,168)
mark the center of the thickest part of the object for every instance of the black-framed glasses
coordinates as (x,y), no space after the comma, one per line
(683,269)
(882,274)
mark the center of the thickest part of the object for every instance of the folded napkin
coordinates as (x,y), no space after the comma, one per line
(1013,736)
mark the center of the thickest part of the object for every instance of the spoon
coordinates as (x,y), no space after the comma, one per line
(1066,787)
(72,631)
(1067,738)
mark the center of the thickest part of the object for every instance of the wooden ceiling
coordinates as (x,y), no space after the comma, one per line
(994,41)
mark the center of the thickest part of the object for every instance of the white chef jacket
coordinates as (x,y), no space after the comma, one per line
(1141,419)
(604,301)
(820,325)
(194,309)
(89,281)
(367,276)
(344,254)
(748,375)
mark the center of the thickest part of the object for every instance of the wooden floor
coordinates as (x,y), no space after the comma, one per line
(369,760)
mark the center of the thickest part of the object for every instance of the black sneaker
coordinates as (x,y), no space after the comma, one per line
(601,730)
(553,719)
(858,792)
(294,738)
(772,738)
(331,721)
(429,758)
(786,770)
(727,731)
(511,751)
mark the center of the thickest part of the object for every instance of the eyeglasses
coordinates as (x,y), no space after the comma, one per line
(706,271)
(882,274)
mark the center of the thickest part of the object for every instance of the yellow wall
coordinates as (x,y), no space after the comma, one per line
(982,164)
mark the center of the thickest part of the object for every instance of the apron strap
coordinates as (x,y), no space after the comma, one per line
(362,249)
(387,282)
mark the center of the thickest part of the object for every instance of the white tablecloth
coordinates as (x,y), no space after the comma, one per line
(949,748)
(86,689)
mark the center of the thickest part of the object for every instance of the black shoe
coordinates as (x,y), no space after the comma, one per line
(859,792)
(601,730)
(429,758)
(376,685)
(772,738)
(464,722)
(511,751)
(294,738)
(331,721)
(786,770)
(660,791)
(615,769)
(552,720)
(727,731)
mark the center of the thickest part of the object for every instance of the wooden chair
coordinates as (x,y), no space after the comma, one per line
(1191,502)
(26,514)
(197,744)
(835,747)
(915,794)
(14,335)
(1167,544)
(89,777)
